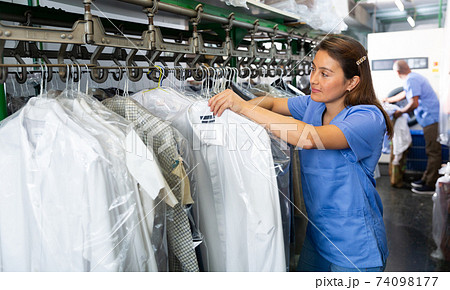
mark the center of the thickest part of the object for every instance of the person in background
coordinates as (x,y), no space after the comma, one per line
(423,101)
(340,126)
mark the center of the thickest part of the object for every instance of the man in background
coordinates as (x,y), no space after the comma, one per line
(424,102)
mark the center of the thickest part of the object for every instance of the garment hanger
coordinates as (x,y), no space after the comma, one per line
(213,76)
(125,89)
(13,83)
(249,86)
(215,81)
(205,74)
(87,79)
(223,79)
(161,73)
(79,79)
(41,92)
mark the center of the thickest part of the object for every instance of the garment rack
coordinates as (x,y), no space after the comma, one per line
(191,50)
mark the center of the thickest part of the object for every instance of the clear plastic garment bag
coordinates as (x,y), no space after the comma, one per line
(238,208)
(70,202)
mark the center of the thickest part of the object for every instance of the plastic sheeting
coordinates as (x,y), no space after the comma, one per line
(441,217)
(282,162)
(402,136)
(234,187)
(17,95)
(236,3)
(165,141)
(444,98)
(69,202)
(321,14)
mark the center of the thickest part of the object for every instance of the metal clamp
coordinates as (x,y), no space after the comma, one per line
(98,75)
(21,77)
(118,53)
(134,74)
(3,70)
(88,25)
(199,9)
(195,21)
(151,11)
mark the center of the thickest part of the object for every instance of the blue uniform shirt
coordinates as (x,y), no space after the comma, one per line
(427,112)
(345,211)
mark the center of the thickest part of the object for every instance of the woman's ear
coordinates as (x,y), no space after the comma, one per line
(353,82)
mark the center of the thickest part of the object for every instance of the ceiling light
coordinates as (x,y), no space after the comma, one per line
(411,21)
(400,5)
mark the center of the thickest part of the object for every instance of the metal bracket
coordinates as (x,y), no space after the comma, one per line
(21,77)
(89,29)
(134,74)
(98,75)
(3,70)
(62,70)
(195,21)
(151,11)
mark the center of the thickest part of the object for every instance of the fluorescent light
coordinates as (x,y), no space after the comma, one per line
(400,5)
(411,21)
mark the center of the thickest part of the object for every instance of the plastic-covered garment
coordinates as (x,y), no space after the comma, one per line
(17,95)
(441,217)
(238,159)
(282,163)
(241,92)
(161,137)
(283,86)
(265,89)
(402,135)
(236,3)
(66,205)
(444,90)
(320,14)
(235,187)
(111,129)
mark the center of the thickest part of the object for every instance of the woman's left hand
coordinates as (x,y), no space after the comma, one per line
(226,100)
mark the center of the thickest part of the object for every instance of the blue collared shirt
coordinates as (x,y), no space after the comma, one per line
(344,208)
(427,112)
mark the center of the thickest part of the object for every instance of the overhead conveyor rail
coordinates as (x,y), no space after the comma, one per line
(133,43)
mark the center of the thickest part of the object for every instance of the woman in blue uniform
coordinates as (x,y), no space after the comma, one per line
(341,124)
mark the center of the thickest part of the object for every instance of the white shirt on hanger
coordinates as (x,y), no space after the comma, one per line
(62,207)
(130,156)
(239,211)
(54,207)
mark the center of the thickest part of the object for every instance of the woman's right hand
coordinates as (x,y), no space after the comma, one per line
(226,100)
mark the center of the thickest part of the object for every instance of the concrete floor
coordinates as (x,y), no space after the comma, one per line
(408,221)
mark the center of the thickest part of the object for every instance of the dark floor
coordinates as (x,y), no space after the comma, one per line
(408,221)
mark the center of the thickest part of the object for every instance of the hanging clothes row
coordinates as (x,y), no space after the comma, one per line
(151,182)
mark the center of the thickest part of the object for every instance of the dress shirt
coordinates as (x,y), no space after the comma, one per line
(238,207)
(131,156)
(55,208)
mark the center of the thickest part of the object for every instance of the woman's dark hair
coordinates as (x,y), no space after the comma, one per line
(352,57)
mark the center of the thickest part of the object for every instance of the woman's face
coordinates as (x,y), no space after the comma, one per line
(328,83)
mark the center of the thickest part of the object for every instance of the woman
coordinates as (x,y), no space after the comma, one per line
(342,125)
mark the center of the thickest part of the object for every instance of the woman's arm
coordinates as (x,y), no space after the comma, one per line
(293,131)
(277,105)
